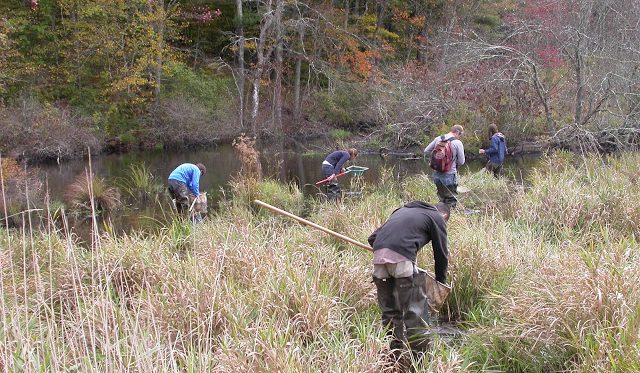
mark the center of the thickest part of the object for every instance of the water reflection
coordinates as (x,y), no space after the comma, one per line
(223,164)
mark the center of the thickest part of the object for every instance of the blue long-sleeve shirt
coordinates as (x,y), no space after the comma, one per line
(190,175)
(337,160)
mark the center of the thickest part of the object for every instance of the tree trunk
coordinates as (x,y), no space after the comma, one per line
(241,73)
(579,85)
(159,30)
(277,100)
(541,92)
(380,13)
(346,14)
(421,48)
(264,28)
(296,88)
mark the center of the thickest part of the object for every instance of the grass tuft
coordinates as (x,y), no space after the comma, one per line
(90,193)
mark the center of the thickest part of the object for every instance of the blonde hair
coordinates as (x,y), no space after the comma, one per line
(457,128)
(353,152)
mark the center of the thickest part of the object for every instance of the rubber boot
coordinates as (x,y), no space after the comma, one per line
(334,193)
(413,302)
(447,194)
(391,313)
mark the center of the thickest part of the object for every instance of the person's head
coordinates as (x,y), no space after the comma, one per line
(457,131)
(353,152)
(444,210)
(202,168)
(493,129)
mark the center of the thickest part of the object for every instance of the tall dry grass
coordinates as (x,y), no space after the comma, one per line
(536,287)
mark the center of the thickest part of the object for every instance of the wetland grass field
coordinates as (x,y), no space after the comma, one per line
(546,278)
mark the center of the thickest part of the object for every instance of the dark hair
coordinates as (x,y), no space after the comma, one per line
(444,209)
(202,168)
(353,152)
(493,129)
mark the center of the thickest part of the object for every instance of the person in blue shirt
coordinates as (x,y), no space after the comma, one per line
(183,180)
(332,165)
(496,151)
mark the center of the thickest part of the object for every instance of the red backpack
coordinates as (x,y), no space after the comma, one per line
(441,156)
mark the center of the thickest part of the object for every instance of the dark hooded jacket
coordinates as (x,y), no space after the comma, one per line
(498,149)
(338,159)
(411,227)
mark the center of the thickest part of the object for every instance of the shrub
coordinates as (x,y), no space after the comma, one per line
(475,126)
(250,167)
(181,121)
(40,131)
(22,189)
(248,184)
(339,134)
(193,109)
(199,85)
(345,106)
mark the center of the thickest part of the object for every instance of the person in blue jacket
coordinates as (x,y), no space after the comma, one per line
(184,179)
(496,151)
(332,166)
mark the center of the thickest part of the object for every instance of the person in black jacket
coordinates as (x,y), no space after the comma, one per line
(332,166)
(399,285)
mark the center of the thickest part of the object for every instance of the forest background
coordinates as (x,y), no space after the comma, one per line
(125,74)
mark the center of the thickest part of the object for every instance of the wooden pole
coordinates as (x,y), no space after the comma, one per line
(437,292)
(314,225)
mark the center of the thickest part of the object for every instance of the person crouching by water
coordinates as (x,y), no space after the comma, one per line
(184,179)
(400,286)
(496,151)
(332,166)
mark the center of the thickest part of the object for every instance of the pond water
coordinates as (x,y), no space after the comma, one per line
(287,165)
(223,164)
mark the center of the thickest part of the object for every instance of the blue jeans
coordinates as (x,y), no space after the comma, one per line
(447,187)
(332,188)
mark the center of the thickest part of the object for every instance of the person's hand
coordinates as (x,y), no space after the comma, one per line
(481,151)
(333,176)
(343,170)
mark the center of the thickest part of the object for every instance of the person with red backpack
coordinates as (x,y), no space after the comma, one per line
(446,154)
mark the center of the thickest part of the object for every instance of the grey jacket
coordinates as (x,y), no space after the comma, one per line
(457,150)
